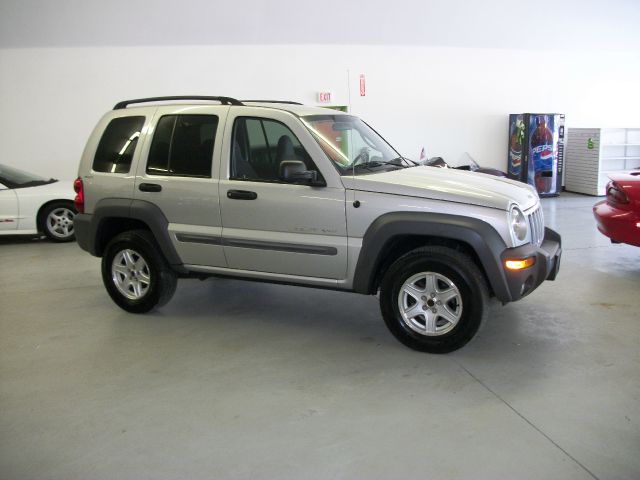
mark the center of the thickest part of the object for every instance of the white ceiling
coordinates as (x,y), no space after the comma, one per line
(536,24)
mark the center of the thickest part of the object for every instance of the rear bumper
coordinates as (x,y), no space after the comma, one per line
(83,229)
(619,225)
(520,283)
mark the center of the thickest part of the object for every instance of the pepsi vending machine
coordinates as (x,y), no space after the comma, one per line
(536,150)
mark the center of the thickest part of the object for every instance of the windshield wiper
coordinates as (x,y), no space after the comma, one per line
(415,164)
(372,165)
(380,163)
(398,161)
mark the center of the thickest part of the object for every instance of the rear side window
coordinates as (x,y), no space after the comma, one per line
(117,145)
(183,146)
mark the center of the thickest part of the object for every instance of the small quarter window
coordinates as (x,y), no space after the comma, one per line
(183,146)
(117,145)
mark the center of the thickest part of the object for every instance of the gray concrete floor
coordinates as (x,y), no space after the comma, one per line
(236,380)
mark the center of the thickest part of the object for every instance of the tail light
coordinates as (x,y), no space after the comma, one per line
(615,194)
(78,202)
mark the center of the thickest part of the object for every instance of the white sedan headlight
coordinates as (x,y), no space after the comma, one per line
(518,225)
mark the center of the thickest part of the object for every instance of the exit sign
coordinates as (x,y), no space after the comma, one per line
(324,97)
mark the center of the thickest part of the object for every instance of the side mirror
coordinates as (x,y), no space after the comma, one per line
(295,171)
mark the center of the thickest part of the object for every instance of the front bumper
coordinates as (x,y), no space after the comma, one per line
(520,283)
(619,225)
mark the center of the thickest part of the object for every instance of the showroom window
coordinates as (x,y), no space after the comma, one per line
(183,146)
(258,147)
(117,145)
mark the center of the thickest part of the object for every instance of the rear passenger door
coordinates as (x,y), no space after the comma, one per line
(182,152)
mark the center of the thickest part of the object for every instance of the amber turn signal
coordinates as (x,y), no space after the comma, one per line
(519,264)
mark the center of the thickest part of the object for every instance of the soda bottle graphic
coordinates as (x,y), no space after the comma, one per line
(541,171)
(515,147)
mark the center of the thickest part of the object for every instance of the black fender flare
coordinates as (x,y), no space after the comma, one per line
(127,209)
(485,241)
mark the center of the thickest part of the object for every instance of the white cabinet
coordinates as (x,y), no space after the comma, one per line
(594,153)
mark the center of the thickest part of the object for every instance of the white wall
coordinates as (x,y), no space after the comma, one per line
(450,100)
(540,24)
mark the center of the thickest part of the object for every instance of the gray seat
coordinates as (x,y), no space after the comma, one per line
(285,150)
(241,166)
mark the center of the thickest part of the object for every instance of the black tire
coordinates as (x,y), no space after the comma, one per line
(55,220)
(157,282)
(468,287)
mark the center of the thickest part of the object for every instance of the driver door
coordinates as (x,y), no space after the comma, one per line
(8,209)
(270,225)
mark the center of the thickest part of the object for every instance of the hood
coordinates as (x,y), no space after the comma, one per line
(447,184)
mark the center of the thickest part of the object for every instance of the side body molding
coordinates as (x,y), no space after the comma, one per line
(479,235)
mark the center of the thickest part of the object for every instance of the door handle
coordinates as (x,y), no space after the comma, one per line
(241,195)
(149,187)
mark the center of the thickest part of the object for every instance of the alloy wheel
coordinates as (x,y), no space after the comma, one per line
(430,304)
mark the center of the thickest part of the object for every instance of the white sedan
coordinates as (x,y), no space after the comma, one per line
(30,204)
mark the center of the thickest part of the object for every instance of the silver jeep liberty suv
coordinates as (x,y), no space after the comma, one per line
(173,187)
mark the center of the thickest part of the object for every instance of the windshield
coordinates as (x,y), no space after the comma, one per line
(352,145)
(14,178)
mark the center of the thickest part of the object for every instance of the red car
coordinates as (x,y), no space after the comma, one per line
(618,216)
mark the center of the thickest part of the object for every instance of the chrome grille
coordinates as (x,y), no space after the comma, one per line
(536,223)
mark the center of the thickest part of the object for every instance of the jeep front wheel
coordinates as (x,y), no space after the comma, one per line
(135,274)
(434,299)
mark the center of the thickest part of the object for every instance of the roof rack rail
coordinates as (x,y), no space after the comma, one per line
(288,102)
(223,100)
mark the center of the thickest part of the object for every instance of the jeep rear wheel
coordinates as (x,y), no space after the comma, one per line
(434,299)
(135,274)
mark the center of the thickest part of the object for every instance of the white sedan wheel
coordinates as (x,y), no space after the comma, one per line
(58,223)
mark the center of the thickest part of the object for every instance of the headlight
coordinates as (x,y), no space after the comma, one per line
(518,224)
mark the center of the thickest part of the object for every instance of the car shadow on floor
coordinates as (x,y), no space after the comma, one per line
(248,307)
(21,239)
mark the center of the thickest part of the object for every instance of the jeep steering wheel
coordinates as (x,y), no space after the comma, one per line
(362,157)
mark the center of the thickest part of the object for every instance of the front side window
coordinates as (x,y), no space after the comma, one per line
(352,145)
(260,145)
(183,146)
(117,145)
